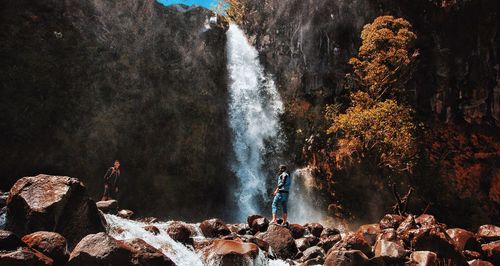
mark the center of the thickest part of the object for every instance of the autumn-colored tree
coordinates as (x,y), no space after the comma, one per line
(234,9)
(385,58)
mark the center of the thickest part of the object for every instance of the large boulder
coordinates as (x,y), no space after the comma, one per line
(297,230)
(436,239)
(179,232)
(281,241)
(423,258)
(346,258)
(353,241)
(491,251)
(107,206)
(214,228)
(315,229)
(24,257)
(313,253)
(370,232)
(145,254)
(10,241)
(100,249)
(488,233)
(50,244)
(52,203)
(391,221)
(463,239)
(231,252)
(389,251)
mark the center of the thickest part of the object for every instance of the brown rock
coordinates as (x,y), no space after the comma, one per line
(126,214)
(251,218)
(312,253)
(328,242)
(315,229)
(231,252)
(107,206)
(239,229)
(423,258)
(463,239)
(24,257)
(370,232)
(389,251)
(406,225)
(488,233)
(472,255)
(388,234)
(259,242)
(491,252)
(297,230)
(327,231)
(214,228)
(391,221)
(346,258)
(260,225)
(10,241)
(436,239)
(302,243)
(353,241)
(179,232)
(425,220)
(281,241)
(51,244)
(480,263)
(145,254)
(152,229)
(53,203)
(100,249)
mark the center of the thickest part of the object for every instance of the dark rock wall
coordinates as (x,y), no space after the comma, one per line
(85,82)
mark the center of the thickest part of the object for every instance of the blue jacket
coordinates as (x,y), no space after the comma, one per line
(284,182)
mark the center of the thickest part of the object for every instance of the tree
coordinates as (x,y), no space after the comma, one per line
(233,9)
(386,56)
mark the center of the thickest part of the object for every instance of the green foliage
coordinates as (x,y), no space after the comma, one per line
(384,62)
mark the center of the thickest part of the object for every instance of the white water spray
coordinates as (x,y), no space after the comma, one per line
(254,110)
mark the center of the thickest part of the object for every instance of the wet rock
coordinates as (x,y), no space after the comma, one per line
(107,206)
(488,233)
(148,220)
(312,253)
(389,251)
(24,257)
(491,252)
(353,241)
(239,229)
(280,240)
(214,228)
(463,239)
(259,242)
(327,231)
(391,221)
(315,261)
(315,229)
(436,239)
(251,218)
(346,258)
(472,255)
(145,254)
(260,225)
(370,232)
(152,229)
(179,232)
(328,242)
(388,234)
(423,258)
(231,252)
(297,230)
(302,243)
(200,244)
(51,244)
(10,241)
(52,203)
(425,220)
(126,214)
(478,262)
(408,224)
(100,249)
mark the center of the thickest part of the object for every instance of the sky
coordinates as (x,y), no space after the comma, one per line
(205,3)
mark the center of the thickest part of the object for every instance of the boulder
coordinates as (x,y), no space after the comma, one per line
(239,229)
(107,206)
(280,240)
(179,232)
(370,232)
(388,234)
(328,242)
(53,203)
(214,228)
(259,242)
(327,231)
(297,230)
(391,221)
(312,253)
(231,252)
(425,220)
(302,243)
(10,241)
(24,257)
(478,262)
(251,218)
(100,249)
(259,225)
(423,258)
(126,214)
(315,229)
(488,233)
(51,244)
(436,239)
(491,252)
(406,225)
(389,251)
(346,258)
(145,254)
(353,241)
(463,239)
(152,229)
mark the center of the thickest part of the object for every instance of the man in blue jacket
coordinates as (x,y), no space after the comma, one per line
(281,194)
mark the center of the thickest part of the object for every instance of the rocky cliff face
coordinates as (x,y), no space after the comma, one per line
(85,82)
(455,90)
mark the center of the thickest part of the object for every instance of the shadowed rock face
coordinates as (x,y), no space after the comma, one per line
(85,82)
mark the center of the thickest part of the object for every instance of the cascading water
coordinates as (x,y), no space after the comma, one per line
(254,110)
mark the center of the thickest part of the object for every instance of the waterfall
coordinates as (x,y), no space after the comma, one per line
(254,109)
